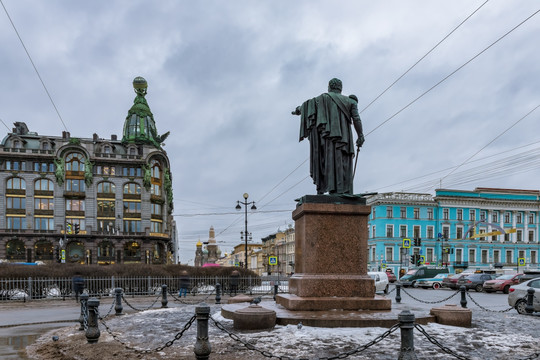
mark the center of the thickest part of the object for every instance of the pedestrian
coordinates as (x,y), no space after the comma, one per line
(184,283)
(233,281)
(78,285)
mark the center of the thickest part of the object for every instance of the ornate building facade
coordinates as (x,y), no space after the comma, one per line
(87,200)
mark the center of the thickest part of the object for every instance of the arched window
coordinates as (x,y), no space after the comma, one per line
(132,251)
(15,250)
(134,128)
(75,162)
(43,250)
(16,183)
(75,252)
(156,178)
(105,251)
(44,185)
(106,187)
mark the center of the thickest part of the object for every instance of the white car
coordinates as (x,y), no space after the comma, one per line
(435,283)
(518,295)
(381,281)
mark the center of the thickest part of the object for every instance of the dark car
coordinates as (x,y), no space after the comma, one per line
(451,281)
(529,274)
(475,281)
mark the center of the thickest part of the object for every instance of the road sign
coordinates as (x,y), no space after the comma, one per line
(406,243)
(272,260)
(63,257)
(439,235)
(521,261)
(422,259)
(383,265)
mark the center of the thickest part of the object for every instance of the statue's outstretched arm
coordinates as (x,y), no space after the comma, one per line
(297,111)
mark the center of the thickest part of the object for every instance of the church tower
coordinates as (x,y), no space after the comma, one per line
(212,246)
(199,254)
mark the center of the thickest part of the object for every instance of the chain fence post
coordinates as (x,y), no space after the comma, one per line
(276,286)
(530,296)
(84,310)
(164,300)
(398,292)
(406,325)
(218,293)
(463,300)
(118,307)
(92,332)
(202,348)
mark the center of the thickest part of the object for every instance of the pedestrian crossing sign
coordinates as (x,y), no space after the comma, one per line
(272,260)
(407,243)
(521,261)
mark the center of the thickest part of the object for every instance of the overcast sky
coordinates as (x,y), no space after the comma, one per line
(224,76)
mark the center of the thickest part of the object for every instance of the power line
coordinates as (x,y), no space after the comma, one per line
(423,57)
(9,130)
(34,66)
(452,73)
(230,213)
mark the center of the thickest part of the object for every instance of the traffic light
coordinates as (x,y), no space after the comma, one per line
(418,260)
(413,259)
(69,228)
(77,228)
(417,242)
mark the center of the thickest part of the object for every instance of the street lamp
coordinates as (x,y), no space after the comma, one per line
(245,235)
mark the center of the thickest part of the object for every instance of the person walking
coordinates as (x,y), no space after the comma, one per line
(184,283)
(234,280)
(78,285)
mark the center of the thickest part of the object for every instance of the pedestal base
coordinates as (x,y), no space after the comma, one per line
(298,303)
(340,285)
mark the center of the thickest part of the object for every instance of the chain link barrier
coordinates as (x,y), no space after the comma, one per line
(85,315)
(148,351)
(267,354)
(110,309)
(148,308)
(191,302)
(430,302)
(438,344)
(391,291)
(486,309)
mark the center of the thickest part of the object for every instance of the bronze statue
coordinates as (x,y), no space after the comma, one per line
(326,122)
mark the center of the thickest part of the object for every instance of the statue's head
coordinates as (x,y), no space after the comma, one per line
(354,97)
(335,85)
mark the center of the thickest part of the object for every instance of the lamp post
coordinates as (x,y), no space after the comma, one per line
(245,235)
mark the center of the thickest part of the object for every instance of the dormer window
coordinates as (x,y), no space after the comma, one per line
(132,151)
(17,144)
(107,149)
(45,146)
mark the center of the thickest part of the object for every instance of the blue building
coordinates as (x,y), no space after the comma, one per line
(482,229)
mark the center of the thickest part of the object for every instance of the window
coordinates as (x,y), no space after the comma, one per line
(534,257)
(521,253)
(403,212)
(105,250)
(509,256)
(75,185)
(482,216)
(430,232)
(403,230)
(132,226)
(495,217)
(106,170)
(389,231)
(44,185)
(156,227)
(105,208)
(531,236)
(15,250)
(17,144)
(42,223)
(74,205)
(373,232)
(132,171)
(519,235)
(496,256)
(472,255)
(71,222)
(105,225)
(519,218)
(106,187)
(43,204)
(429,255)
(16,184)
(388,211)
(16,202)
(430,214)
(132,151)
(416,213)
(506,237)
(107,149)
(132,188)
(43,167)
(459,232)
(445,214)
(484,255)
(15,165)
(531,218)
(155,190)
(459,255)
(416,232)
(16,222)
(75,162)
(132,207)
(374,215)
(156,209)
(45,146)
(482,231)
(472,215)
(389,254)
(507,218)
(446,232)
(460,214)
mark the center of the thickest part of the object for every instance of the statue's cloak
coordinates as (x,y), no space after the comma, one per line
(326,122)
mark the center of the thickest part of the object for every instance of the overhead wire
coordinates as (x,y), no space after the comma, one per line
(34,66)
(9,130)
(452,73)
(423,57)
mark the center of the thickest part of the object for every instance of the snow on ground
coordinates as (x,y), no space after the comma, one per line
(493,336)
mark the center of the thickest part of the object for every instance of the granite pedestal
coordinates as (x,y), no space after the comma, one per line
(331,257)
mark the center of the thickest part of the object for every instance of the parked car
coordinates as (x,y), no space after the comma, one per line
(517,297)
(529,274)
(421,272)
(435,282)
(475,281)
(391,276)
(502,283)
(451,281)
(381,281)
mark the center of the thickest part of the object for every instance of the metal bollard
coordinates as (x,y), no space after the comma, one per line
(84,310)
(530,296)
(398,293)
(118,307)
(164,300)
(276,287)
(92,332)
(218,293)
(406,324)
(463,300)
(202,348)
